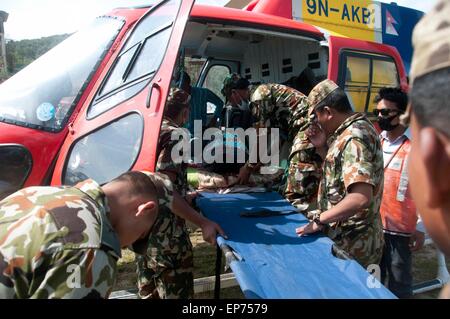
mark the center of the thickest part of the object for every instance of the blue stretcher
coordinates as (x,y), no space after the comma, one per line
(270,261)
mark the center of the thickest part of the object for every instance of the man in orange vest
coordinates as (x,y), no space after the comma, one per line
(398,211)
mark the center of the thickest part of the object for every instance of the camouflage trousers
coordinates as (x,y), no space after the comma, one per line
(202,179)
(166,271)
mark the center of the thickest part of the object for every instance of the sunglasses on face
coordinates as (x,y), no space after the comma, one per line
(386,112)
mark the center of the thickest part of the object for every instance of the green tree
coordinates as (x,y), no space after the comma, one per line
(21,53)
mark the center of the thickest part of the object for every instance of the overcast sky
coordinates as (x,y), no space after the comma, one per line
(29,19)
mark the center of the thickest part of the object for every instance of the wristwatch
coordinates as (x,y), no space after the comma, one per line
(316,219)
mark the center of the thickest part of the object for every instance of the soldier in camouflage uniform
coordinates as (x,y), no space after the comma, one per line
(237,99)
(277,105)
(236,114)
(351,187)
(166,271)
(429,160)
(64,242)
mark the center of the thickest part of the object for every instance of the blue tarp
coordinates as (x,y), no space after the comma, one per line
(273,262)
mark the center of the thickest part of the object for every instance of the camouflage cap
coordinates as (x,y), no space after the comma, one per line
(319,93)
(431,41)
(178,97)
(164,193)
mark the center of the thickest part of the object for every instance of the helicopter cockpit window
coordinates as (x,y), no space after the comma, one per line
(139,59)
(43,94)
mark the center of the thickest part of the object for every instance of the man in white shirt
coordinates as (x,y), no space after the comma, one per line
(398,210)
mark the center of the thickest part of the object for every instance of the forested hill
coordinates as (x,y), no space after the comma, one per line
(21,53)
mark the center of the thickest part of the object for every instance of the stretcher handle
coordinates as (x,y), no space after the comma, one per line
(340,253)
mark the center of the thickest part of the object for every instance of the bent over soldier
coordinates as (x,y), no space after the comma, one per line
(280,106)
(166,271)
(64,242)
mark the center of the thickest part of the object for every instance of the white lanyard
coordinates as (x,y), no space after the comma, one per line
(393,155)
(403,185)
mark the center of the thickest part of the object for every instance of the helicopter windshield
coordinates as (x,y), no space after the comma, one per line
(44,94)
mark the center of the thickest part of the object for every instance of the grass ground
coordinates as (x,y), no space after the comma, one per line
(424,268)
(204,261)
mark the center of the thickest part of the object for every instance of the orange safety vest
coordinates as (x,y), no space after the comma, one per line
(398,210)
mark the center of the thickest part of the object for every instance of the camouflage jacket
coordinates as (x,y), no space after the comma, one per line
(277,105)
(165,163)
(354,156)
(169,229)
(57,242)
(304,173)
(169,250)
